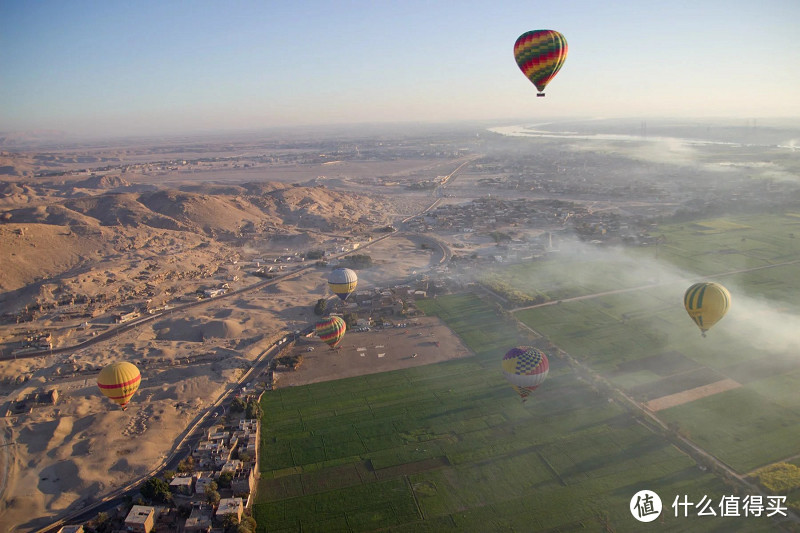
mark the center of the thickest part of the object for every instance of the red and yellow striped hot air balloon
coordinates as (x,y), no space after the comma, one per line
(331,330)
(119,381)
(540,55)
(525,368)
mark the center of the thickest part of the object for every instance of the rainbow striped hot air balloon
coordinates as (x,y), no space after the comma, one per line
(706,303)
(525,368)
(540,55)
(331,330)
(342,282)
(119,381)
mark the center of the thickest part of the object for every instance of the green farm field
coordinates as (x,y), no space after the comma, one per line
(450,447)
(645,344)
(715,246)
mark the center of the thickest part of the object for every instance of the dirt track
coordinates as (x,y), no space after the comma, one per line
(680,398)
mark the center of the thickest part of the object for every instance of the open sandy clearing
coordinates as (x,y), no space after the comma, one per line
(378,350)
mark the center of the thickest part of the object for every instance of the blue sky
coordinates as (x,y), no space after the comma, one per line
(116,67)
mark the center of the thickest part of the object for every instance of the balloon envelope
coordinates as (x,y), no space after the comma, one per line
(525,368)
(342,282)
(540,55)
(119,381)
(706,303)
(331,330)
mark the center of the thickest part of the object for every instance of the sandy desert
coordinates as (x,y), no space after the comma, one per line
(79,252)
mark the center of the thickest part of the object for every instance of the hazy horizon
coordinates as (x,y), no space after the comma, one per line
(94,69)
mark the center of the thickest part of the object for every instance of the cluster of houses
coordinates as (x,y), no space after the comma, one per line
(26,404)
(212,457)
(491,214)
(387,301)
(35,341)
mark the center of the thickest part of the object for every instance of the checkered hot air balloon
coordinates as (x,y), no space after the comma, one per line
(525,368)
(119,381)
(342,282)
(540,55)
(331,330)
(706,303)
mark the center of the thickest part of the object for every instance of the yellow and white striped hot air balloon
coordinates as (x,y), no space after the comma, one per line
(119,381)
(342,282)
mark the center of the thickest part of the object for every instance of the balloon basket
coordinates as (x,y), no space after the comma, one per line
(539,95)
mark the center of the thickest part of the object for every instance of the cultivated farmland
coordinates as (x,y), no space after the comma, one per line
(642,341)
(449,446)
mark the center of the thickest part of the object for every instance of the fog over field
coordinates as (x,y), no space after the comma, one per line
(762,325)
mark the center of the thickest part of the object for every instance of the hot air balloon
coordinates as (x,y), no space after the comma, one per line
(706,303)
(331,330)
(342,282)
(525,368)
(540,54)
(119,381)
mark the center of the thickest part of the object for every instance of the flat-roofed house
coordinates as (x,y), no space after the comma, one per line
(243,481)
(183,485)
(199,520)
(140,519)
(204,479)
(230,506)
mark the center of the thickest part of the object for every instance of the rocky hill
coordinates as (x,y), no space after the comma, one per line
(44,234)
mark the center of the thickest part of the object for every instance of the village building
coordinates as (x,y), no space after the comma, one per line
(199,520)
(232,466)
(120,318)
(228,506)
(140,519)
(203,480)
(182,485)
(243,482)
(213,293)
